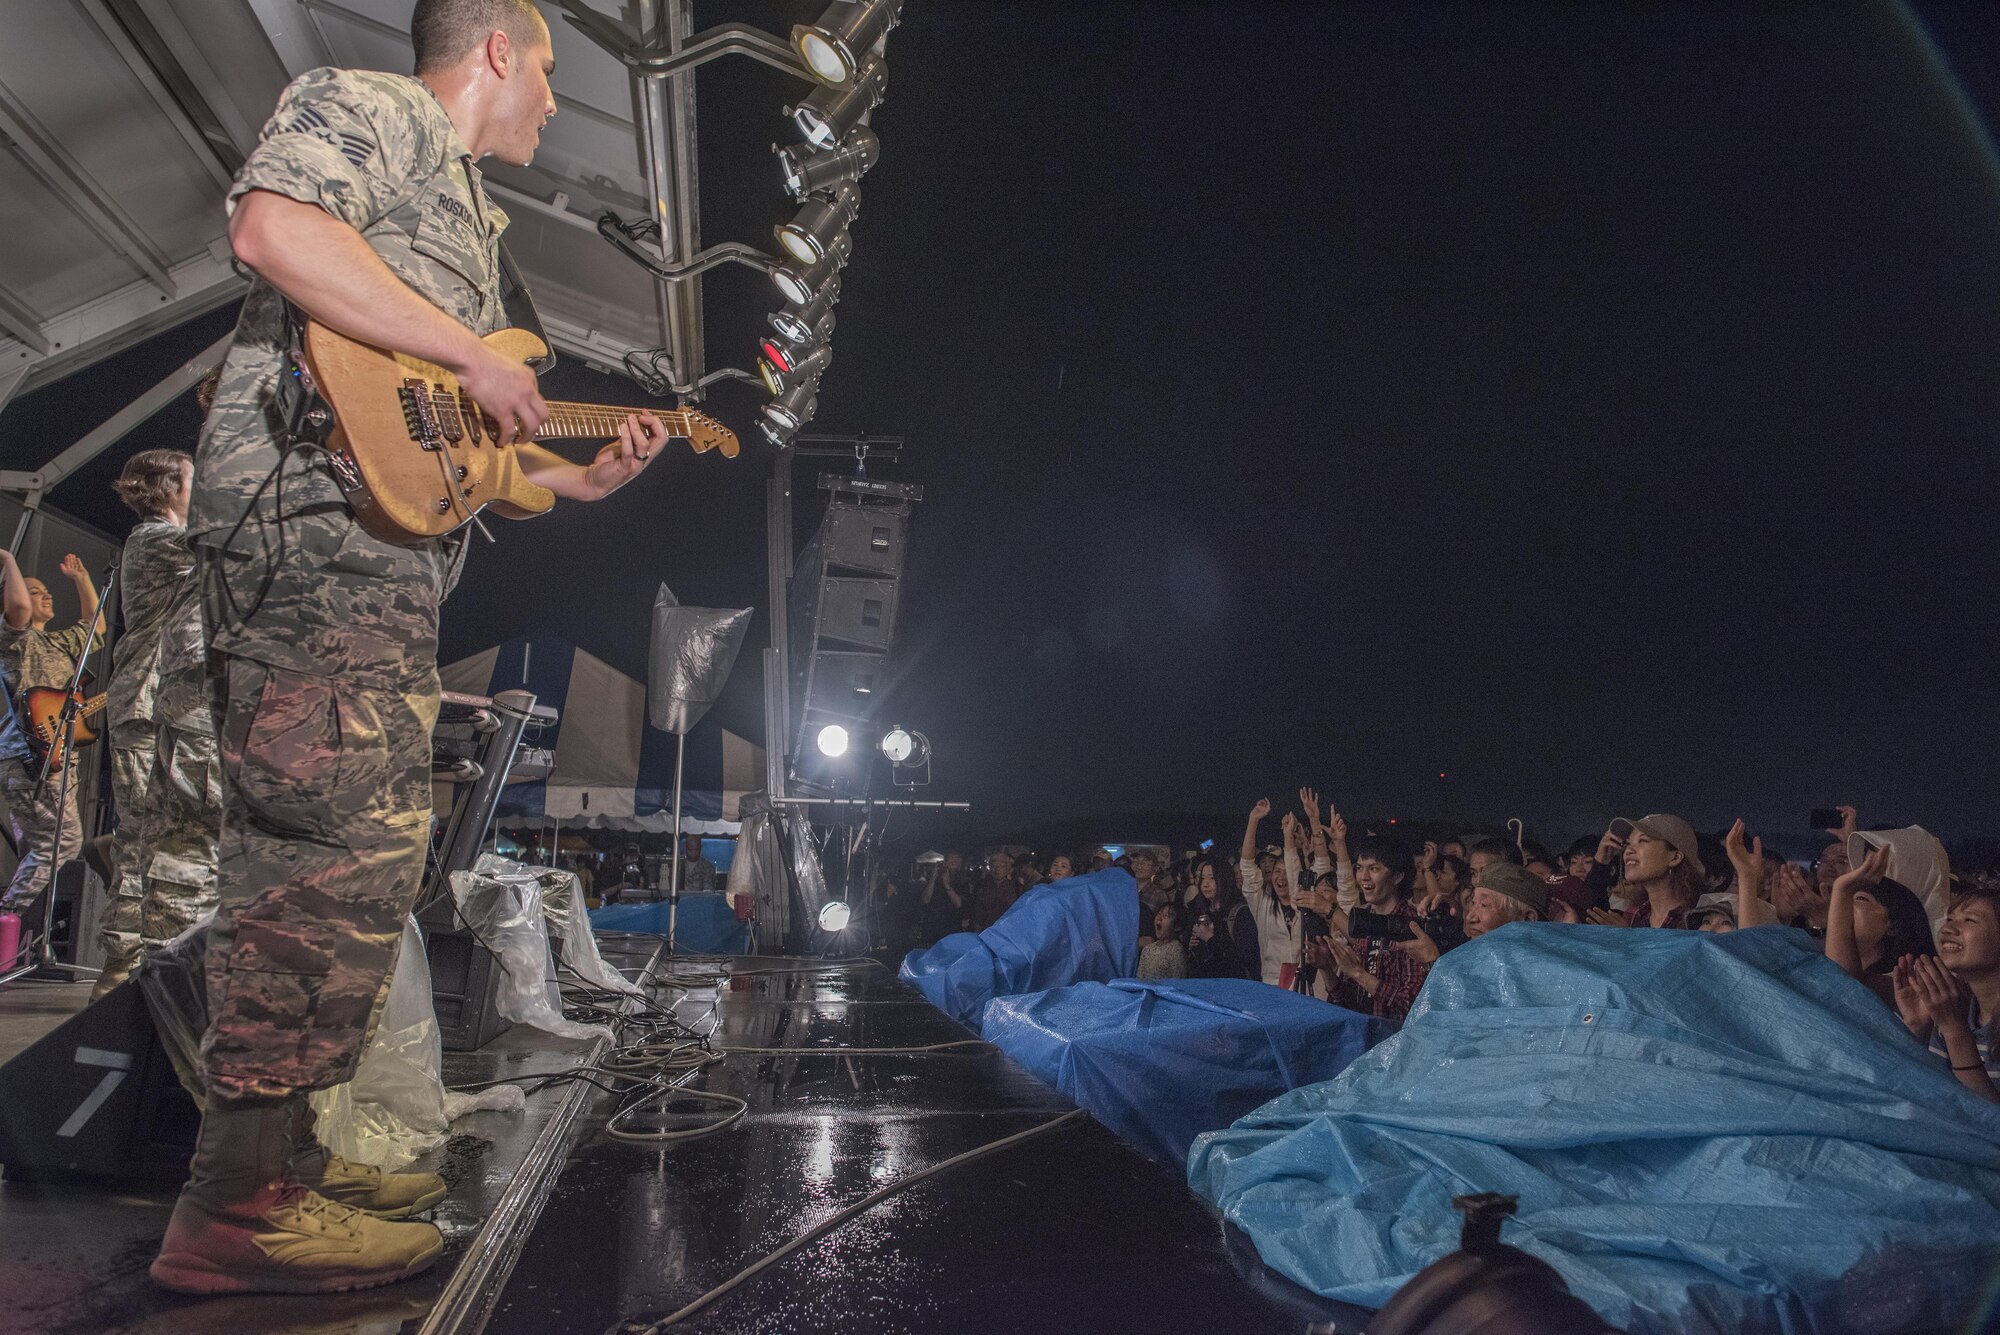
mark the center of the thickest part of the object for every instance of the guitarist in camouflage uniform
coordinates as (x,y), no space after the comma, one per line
(363,208)
(165,777)
(31,656)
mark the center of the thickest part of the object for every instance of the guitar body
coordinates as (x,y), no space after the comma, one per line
(414,458)
(42,707)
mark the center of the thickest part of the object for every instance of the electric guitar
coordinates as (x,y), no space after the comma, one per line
(41,709)
(416,458)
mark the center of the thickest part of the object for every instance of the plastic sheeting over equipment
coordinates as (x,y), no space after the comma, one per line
(1079,930)
(693,650)
(395,1108)
(1162,1062)
(1707,1133)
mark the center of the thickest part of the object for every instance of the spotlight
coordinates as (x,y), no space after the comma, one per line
(807,236)
(804,366)
(833,740)
(810,323)
(834,915)
(809,170)
(905,749)
(787,356)
(834,46)
(827,115)
(796,406)
(802,283)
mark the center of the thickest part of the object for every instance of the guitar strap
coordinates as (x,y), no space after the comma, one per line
(520,306)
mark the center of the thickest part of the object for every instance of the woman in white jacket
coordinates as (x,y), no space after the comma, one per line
(1278,926)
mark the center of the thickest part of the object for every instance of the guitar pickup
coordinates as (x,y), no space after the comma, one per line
(444,406)
(420,414)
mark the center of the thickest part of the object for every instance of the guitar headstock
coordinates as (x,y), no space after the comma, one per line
(704,433)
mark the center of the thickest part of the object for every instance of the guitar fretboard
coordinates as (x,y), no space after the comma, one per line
(571,421)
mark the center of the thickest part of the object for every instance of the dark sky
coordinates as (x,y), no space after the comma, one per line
(1592,403)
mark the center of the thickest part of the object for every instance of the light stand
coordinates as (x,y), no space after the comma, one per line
(64,741)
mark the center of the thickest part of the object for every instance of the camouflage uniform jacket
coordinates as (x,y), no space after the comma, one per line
(378,152)
(156,666)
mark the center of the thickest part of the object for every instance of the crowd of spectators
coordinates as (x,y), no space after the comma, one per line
(1357,919)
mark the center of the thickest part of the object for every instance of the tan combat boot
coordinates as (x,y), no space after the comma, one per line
(244,1224)
(360,1186)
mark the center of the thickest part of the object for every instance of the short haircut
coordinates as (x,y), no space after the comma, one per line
(1391,853)
(151,481)
(1497,847)
(442,31)
(1585,845)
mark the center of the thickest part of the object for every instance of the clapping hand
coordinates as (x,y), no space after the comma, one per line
(1866,876)
(72,565)
(1796,897)
(1607,918)
(1929,992)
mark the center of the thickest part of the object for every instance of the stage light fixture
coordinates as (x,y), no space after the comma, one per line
(834,915)
(833,741)
(905,749)
(779,436)
(802,283)
(835,46)
(829,115)
(786,357)
(795,407)
(823,218)
(803,321)
(805,369)
(810,171)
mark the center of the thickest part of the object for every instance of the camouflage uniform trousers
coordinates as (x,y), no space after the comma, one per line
(168,830)
(131,772)
(325,691)
(32,821)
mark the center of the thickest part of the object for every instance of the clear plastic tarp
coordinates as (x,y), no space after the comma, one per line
(1706,1132)
(693,650)
(394,1109)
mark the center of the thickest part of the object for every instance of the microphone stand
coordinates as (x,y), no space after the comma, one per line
(44,949)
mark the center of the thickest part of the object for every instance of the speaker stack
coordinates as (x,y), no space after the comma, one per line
(845,591)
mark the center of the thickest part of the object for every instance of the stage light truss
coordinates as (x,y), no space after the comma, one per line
(842,54)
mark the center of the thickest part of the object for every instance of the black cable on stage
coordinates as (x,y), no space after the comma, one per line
(819,1231)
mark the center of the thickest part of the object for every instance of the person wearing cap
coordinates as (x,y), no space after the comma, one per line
(1664,875)
(1504,893)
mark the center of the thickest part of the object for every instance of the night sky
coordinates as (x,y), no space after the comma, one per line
(1590,403)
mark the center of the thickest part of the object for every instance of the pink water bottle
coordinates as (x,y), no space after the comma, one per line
(10,939)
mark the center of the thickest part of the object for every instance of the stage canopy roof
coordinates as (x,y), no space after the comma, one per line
(122,122)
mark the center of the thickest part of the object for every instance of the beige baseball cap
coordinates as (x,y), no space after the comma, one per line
(1670,830)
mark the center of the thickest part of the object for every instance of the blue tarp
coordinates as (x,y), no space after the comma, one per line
(707,925)
(1707,1133)
(1162,1062)
(1083,929)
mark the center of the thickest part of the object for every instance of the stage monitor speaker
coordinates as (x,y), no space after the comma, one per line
(465,981)
(96,1098)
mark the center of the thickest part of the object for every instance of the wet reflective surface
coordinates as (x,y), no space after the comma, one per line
(1073,1231)
(73,1258)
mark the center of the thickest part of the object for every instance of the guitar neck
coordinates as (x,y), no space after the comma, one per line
(584,421)
(95,704)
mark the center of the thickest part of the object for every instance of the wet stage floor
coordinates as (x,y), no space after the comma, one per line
(552,1226)
(1071,1231)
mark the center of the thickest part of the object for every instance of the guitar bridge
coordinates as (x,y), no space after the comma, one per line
(420,414)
